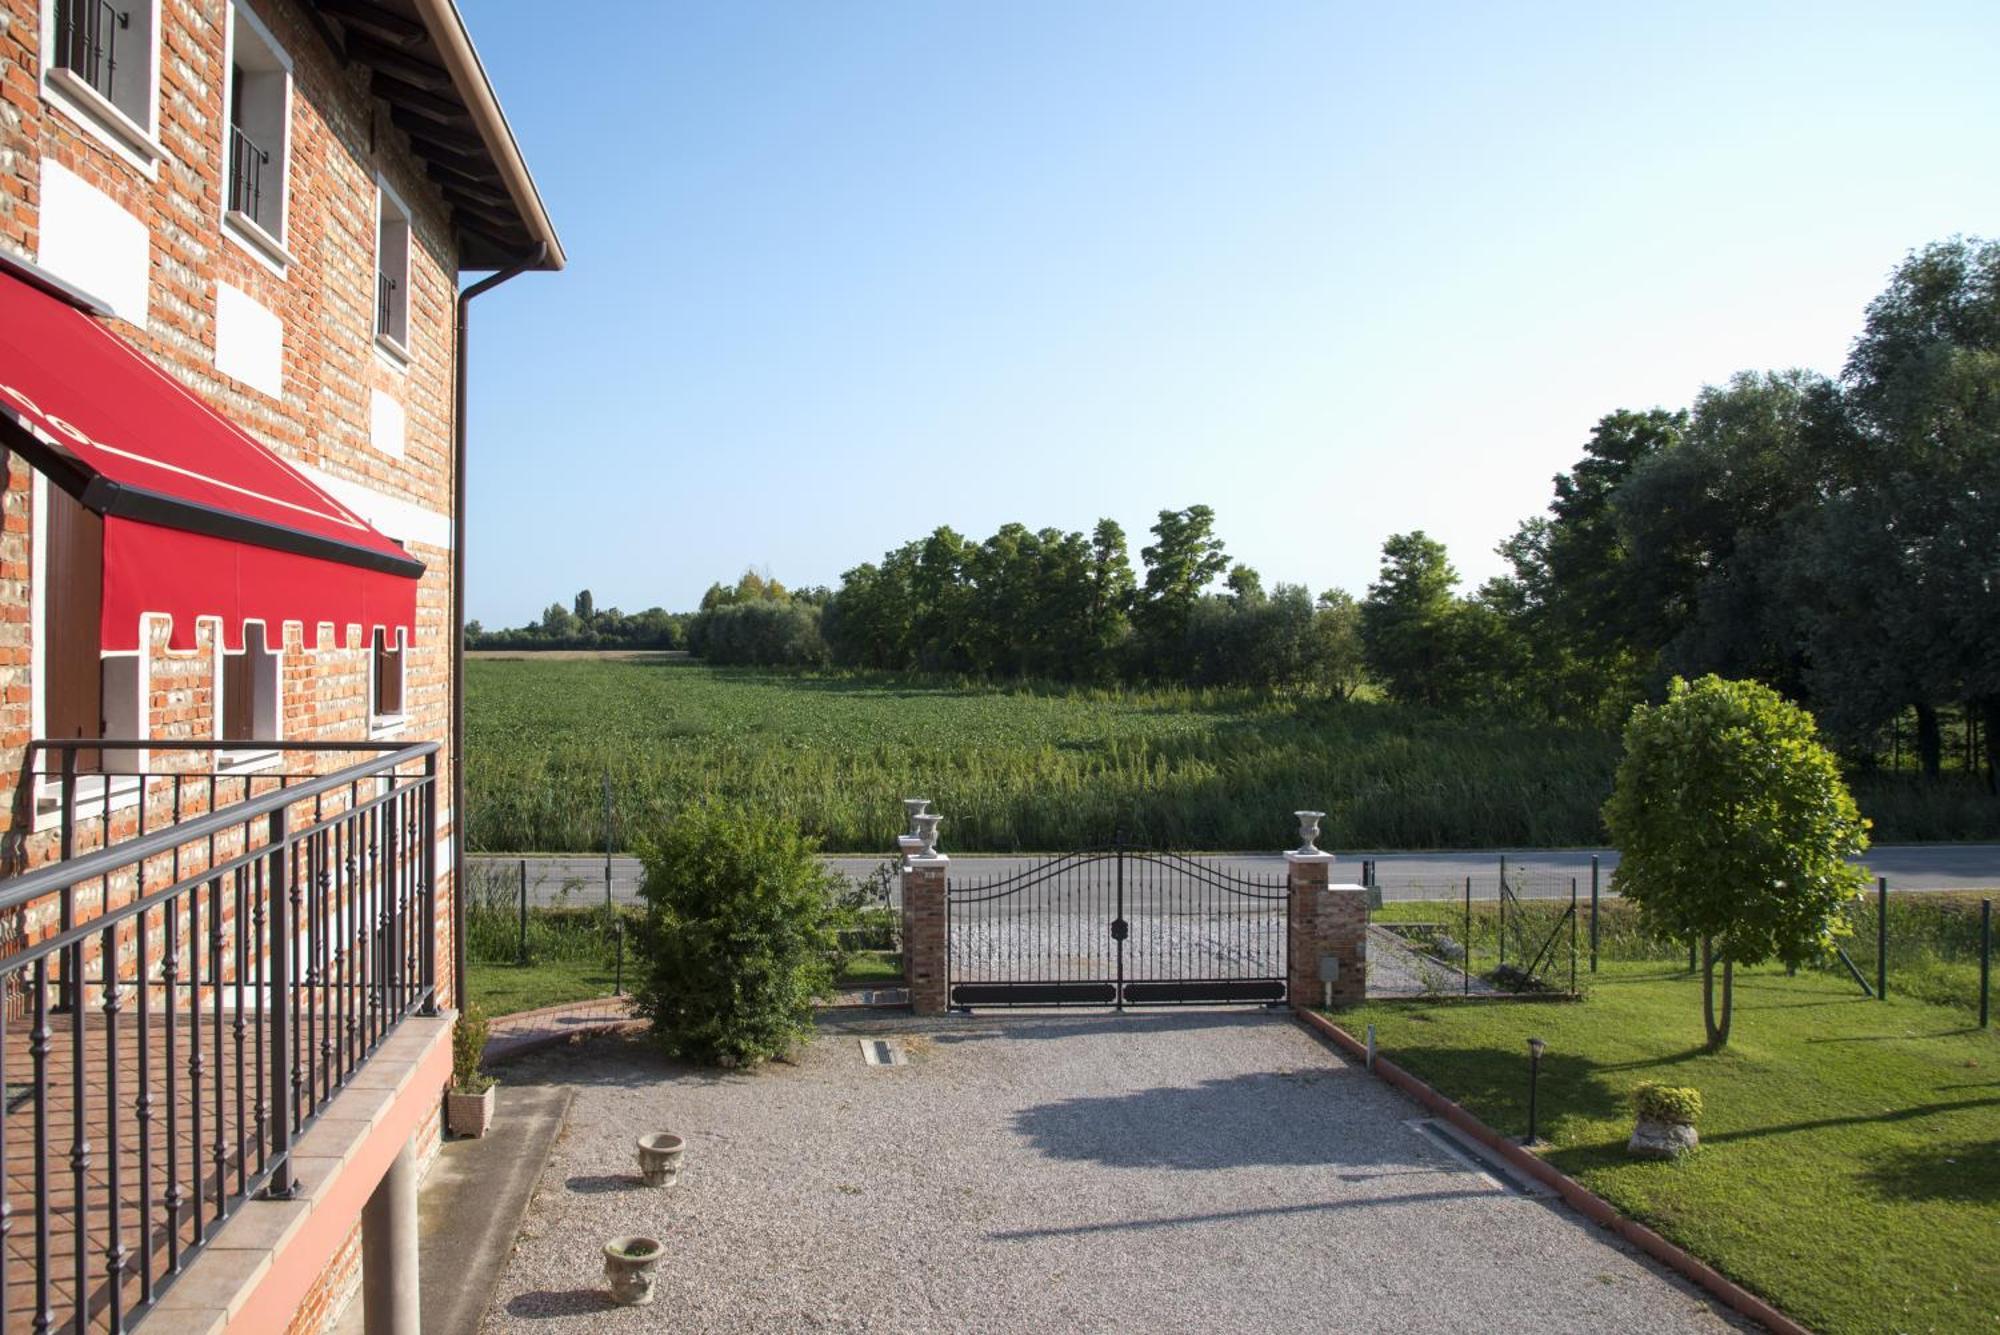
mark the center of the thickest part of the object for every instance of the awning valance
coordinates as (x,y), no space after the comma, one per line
(200,520)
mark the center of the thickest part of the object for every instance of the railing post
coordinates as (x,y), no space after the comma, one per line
(427,860)
(277,882)
(65,994)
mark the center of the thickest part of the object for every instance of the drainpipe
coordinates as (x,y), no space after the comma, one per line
(486,284)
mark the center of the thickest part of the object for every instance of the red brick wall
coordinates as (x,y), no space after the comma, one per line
(340,138)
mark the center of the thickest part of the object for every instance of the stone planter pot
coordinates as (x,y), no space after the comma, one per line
(469,1114)
(631,1265)
(1653,1139)
(660,1158)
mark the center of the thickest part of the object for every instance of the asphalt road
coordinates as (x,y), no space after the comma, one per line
(1401,875)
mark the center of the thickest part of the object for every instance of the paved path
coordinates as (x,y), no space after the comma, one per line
(1197,1171)
(1403,875)
(509,1036)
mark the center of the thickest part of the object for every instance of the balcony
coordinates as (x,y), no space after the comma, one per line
(209,961)
(87,42)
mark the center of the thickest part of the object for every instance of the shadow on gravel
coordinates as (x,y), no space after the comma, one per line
(1236,1216)
(1267,1119)
(600,1184)
(1018,1025)
(549,1303)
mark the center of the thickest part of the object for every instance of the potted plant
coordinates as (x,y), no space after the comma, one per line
(1666,1118)
(468,1104)
(630,1264)
(660,1158)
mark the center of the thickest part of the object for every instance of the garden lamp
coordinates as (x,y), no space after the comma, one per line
(1535,1049)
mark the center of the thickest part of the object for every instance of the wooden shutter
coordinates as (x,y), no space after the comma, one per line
(388,677)
(73,599)
(239,697)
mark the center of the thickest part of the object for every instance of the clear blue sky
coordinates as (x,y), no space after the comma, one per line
(842,272)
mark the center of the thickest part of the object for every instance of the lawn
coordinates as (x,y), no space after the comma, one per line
(503,989)
(1038,767)
(1850,1160)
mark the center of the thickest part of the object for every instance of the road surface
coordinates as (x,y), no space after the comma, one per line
(1401,875)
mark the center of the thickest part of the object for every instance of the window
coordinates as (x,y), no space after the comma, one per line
(257,138)
(392,272)
(385,681)
(102,62)
(248,709)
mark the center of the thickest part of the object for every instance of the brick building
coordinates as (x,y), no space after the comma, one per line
(232,341)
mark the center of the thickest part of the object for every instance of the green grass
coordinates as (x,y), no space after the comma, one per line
(1030,766)
(871,967)
(504,989)
(1850,1160)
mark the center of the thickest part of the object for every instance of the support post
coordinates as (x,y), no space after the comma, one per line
(1327,931)
(926,919)
(521,956)
(277,885)
(390,1303)
(1985,957)
(1593,913)
(1881,938)
(1465,960)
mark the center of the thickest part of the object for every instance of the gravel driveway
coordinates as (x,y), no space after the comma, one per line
(1194,1170)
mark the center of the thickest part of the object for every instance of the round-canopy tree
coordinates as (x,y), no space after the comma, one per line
(1734,828)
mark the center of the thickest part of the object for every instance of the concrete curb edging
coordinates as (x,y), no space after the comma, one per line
(1574,1194)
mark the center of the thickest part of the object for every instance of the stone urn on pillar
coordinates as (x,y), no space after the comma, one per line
(1309,831)
(927,833)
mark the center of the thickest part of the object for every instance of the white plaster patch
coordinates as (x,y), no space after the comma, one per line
(391,516)
(88,240)
(385,423)
(249,341)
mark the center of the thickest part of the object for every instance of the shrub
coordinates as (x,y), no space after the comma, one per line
(1674,1104)
(468,1041)
(739,936)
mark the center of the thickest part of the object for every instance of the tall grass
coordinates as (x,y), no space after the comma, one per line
(1026,766)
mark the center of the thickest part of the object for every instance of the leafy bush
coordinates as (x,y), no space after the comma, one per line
(1676,1105)
(468,1041)
(739,937)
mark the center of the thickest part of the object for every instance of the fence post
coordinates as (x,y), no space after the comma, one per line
(1465,960)
(1985,956)
(521,955)
(427,869)
(1593,913)
(926,920)
(607,838)
(1572,936)
(277,885)
(1327,925)
(1881,938)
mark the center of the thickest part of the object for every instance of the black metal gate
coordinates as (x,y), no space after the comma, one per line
(1117,927)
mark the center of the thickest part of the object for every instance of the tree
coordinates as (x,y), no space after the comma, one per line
(585,607)
(1184,558)
(1734,828)
(740,928)
(1411,624)
(1337,661)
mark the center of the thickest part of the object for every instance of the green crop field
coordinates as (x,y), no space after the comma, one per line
(1027,767)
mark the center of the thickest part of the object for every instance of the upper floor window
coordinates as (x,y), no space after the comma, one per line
(392,272)
(249,710)
(103,65)
(258,137)
(385,682)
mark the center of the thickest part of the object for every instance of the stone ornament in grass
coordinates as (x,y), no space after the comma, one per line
(1665,1127)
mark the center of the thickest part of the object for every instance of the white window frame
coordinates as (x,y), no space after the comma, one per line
(389,725)
(397,349)
(138,143)
(267,701)
(245,231)
(46,800)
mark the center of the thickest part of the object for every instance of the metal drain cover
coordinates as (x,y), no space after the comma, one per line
(881,1052)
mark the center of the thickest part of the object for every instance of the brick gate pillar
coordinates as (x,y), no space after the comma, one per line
(926,930)
(1328,927)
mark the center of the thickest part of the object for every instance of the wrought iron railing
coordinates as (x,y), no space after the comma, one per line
(87,40)
(247,161)
(179,1002)
(385,307)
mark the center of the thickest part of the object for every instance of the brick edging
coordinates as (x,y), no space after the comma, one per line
(1574,1194)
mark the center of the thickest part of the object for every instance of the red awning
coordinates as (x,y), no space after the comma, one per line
(200,520)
